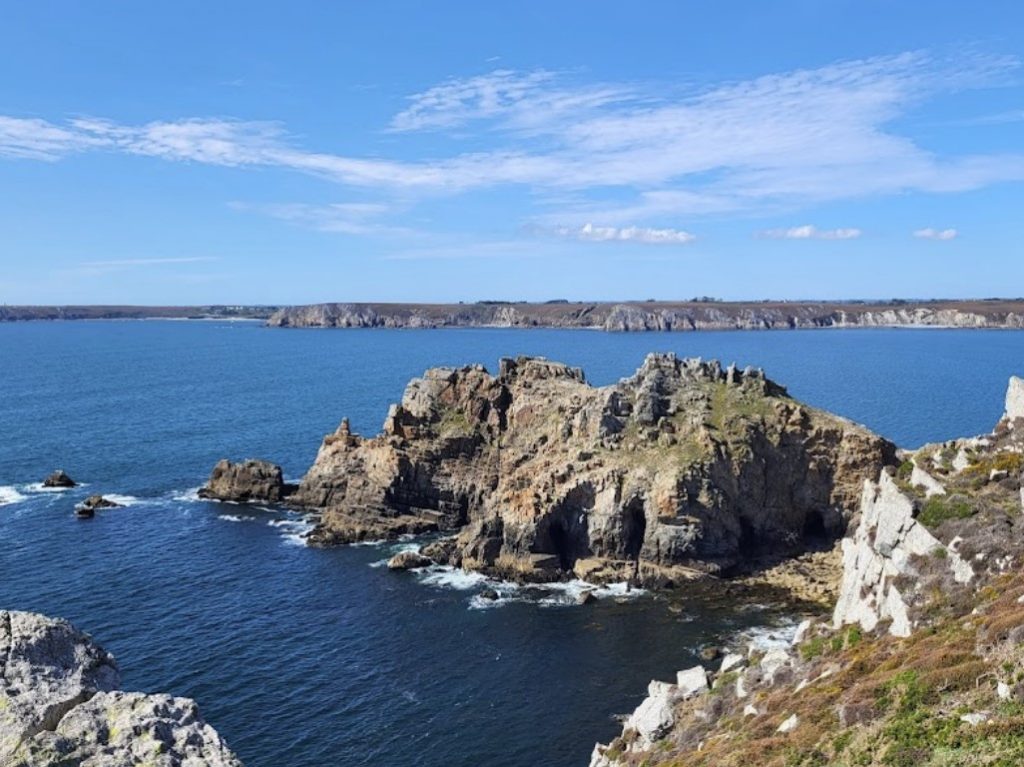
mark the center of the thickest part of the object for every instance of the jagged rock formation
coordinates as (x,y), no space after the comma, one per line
(1014,401)
(658,315)
(59,706)
(249,480)
(60,479)
(683,467)
(922,661)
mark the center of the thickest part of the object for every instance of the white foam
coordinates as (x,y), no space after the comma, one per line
(39,487)
(122,500)
(568,592)
(188,496)
(230,518)
(449,577)
(765,638)
(295,530)
(376,542)
(9,495)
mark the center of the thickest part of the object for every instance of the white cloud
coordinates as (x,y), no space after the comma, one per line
(590,233)
(936,234)
(808,232)
(782,141)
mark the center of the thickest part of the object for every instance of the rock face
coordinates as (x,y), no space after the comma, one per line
(249,480)
(684,467)
(656,315)
(59,706)
(880,551)
(59,479)
(1014,400)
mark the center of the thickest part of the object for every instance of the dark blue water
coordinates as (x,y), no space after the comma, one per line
(311,658)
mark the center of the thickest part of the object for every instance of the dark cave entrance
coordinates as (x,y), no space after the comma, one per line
(814,527)
(634,528)
(563,546)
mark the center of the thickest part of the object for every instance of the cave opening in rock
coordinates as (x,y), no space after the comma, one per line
(634,528)
(814,527)
(562,546)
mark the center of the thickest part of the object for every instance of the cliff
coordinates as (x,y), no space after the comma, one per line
(60,706)
(659,315)
(922,659)
(684,468)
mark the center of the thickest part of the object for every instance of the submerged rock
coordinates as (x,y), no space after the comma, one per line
(249,480)
(680,470)
(59,478)
(59,706)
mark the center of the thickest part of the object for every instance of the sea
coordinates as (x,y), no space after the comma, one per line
(303,657)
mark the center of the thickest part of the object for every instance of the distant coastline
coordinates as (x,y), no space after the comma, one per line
(634,316)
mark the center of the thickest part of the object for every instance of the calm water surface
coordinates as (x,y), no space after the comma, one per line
(306,658)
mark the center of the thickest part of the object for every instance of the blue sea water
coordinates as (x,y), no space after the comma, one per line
(311,658)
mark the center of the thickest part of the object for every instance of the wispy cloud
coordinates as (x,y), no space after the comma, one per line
(130,262)
(647,235)
(357,218)
(809,232)
(784,140)
(936,234)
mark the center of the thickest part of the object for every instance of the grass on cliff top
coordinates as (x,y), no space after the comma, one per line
(902,700)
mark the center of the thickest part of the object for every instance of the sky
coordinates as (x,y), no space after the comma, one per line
(283,153)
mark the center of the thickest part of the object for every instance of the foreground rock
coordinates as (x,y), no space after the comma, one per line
(59,706)
(88,507)
(249,480)
(922,659)
(59,478)
(683,469)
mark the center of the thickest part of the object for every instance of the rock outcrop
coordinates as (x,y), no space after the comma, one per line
(1014,401)
(883,548)
(249,480)
(59,706)
(683,468)
(60,479)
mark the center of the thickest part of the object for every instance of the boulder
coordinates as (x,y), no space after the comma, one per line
(59,478)
(1014,400)
(249,480)
(692,681)
(409,560)
(88,507)
(59,706)
(586,597)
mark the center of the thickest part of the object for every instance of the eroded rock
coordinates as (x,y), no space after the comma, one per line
(249,480)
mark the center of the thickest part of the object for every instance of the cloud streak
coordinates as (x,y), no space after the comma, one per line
(936,234)
(809,232)
(646,235)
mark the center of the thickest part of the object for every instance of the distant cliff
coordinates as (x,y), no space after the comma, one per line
(658,315)
(118,312)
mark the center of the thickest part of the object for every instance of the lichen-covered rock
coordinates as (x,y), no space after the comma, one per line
(882,549)
(249,480)
(59,706)
(678,470)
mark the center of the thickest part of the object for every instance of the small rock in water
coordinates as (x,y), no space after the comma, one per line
(59,478)
(490,595)
(409,560)
(586,597)
(710,653)
(87,508)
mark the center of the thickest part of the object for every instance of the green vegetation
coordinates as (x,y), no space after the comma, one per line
(939,508)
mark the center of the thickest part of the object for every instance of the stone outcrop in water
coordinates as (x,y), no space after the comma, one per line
(60,479)
(60,706)
(658,315)
(249,480)
(683,468)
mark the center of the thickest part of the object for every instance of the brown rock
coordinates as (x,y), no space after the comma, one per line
(249,480)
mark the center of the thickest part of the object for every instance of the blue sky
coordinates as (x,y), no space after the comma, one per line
(250,152)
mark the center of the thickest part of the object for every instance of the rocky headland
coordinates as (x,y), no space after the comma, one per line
(684,469)
(60,706)
(658,315)
(920,663)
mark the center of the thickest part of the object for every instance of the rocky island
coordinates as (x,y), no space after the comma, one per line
(61,706)
(684,469)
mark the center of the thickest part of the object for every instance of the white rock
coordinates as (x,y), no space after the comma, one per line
(789,725)
(741,687)
(997,475)
(802,685)
(750,710)
(976,718)
(920,478)
(692,681)
(655,715)
(801,632)
(1003,691)
(879,550)
(730,662)
(775,659)
(1014,400)
(962,460)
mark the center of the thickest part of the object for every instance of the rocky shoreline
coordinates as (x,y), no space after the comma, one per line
(60,705)
(643,316)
